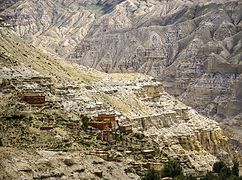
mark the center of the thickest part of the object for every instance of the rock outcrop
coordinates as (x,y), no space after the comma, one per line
(193,47)
(45,164)
(43,100)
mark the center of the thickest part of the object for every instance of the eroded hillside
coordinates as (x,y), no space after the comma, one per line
(192,47)
(162,127)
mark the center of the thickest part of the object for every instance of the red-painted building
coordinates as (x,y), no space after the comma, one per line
(104,122)
(34,99)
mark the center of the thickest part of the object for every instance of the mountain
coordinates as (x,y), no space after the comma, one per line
(192,47)
(47,140)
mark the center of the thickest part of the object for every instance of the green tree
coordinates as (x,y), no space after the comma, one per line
(151,175)
(235,169)
(85,123)
(211,176)
(234,178)
(184,178)
(172,168)
(218,166)
(225,173)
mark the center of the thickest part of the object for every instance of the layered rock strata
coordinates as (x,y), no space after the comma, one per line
(71,90)
(193,47)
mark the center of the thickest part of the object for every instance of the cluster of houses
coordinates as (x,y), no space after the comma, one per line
(38,90)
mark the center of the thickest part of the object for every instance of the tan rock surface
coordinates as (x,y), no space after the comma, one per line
(193,47)
(70,90)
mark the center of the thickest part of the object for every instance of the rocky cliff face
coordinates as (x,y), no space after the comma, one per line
(193,47)
(161,125)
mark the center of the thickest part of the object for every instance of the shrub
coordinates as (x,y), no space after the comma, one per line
(184,178)
(235,169)
(234,178)
(224,173)
(151,175)
(85,123)
(218,166)
(172,169)
(211,176)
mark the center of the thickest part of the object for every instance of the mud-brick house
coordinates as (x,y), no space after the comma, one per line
(107,123)
(127,129)
(34,98)
(104,122)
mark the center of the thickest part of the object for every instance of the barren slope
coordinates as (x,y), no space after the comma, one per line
(193,47)
(137,100)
